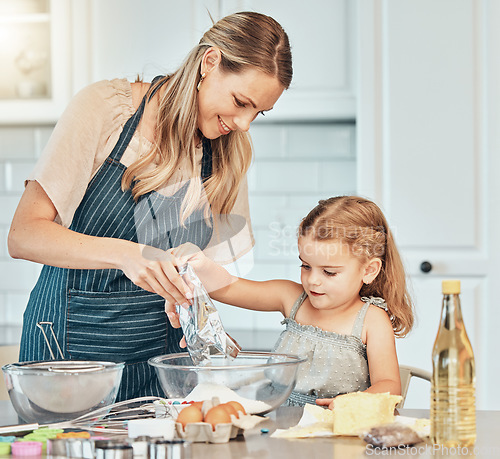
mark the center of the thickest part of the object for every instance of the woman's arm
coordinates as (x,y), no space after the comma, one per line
(272,295)
(36,237)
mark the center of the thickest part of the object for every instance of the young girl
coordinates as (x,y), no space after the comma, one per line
(351,303)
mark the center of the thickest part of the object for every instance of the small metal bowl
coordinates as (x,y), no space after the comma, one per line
(61,390)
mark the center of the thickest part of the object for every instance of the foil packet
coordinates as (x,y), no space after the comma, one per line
(201,323)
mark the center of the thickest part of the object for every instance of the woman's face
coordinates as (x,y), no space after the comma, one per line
(229,101)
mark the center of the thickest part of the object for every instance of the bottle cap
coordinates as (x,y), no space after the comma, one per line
(451,287)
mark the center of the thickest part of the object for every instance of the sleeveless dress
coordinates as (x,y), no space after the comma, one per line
(100,314)
(337,363)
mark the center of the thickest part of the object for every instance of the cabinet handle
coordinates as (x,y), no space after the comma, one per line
(425,267)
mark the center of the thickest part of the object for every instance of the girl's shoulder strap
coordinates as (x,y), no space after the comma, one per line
(357,328)
(376,301)
(297,304)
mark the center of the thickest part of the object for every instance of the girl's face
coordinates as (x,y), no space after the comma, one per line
(331,276)
(230,101)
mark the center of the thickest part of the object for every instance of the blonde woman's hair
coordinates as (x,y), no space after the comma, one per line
(361,225)
(246,40)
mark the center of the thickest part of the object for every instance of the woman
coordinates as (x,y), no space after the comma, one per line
(132,170)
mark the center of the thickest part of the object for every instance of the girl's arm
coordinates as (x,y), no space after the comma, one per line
(381,352)
(270,295)
(36,237)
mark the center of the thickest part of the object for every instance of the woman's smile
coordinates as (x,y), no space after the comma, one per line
(223,127)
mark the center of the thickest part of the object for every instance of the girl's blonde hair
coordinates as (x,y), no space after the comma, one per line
(246,40)
(361,225)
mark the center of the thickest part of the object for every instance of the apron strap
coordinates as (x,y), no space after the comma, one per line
(131,125)
(127,133)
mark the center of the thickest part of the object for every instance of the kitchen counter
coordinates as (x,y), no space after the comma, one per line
(255,444)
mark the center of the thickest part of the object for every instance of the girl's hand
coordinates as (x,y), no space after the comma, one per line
(154,270)
(212,275)
(329,402)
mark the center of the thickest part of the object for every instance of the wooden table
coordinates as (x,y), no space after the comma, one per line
(255,444)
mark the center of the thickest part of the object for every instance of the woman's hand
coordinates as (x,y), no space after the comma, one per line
(329,402)
(155,270)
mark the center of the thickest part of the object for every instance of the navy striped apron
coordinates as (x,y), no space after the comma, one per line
(100,314)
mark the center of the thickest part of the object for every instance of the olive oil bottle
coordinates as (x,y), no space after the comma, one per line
(453,399)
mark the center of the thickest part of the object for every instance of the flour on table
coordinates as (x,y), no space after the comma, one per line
(206,391)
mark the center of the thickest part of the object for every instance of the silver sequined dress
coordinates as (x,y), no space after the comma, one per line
(337,363)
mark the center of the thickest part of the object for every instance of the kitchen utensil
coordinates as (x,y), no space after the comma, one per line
(169,449)
(260,381)
(60,390)
(111,419)
(50,325)
(113,450)
(26,448)
(140,445)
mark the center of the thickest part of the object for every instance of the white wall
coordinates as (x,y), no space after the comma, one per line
(20,147)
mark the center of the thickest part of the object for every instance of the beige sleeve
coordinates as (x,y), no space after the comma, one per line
(83,137)
(233,235)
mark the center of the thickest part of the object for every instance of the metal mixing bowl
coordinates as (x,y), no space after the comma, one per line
(260,381)
(61,390)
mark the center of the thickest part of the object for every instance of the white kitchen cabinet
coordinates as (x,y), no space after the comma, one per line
(35,82)
(321,34)
(428,77)
(125,39)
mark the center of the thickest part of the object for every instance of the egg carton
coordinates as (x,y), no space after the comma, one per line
(196,432)
(220,433)
(204,431)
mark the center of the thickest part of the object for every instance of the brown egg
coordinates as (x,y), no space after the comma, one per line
(189,414)
(229,408)
(217,415)
(237,406)
(197,405)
